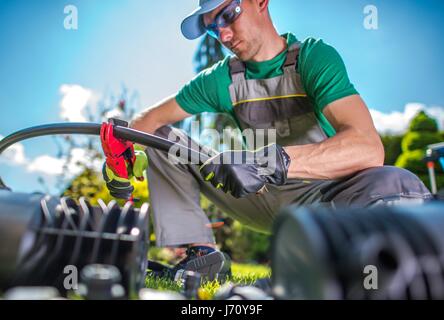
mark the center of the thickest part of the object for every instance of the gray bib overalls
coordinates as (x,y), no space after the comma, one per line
(278,103)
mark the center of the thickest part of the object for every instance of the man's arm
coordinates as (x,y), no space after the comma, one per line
(164,113)
(356,146)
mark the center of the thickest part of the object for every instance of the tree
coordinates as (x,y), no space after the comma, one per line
(392,147)
(423,131)
(208,53)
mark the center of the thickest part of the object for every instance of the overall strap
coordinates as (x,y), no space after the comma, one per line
(292,56)
(238,68)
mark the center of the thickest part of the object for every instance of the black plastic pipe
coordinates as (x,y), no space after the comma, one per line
(136,136)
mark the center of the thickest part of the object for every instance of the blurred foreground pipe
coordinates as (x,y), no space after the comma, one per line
(321,253)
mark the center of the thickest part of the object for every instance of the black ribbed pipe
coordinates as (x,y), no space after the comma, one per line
(139,137)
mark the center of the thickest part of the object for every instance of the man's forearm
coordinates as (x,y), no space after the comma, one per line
(145,121)
(164,113)
(344,154)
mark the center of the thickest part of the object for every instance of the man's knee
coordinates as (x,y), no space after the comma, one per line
(177,154)
(388,185)
(173,157)
(394,185)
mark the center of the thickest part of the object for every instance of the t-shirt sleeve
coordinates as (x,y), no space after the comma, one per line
(323,73)
(200,94)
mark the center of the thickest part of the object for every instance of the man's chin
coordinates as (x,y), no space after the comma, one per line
(241,55)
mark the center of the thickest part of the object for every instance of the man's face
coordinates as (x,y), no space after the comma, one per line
(241,37)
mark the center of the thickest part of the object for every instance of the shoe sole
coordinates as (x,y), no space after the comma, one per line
(213,266)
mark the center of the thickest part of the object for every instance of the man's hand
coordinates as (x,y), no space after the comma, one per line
(244,172)
(119,187)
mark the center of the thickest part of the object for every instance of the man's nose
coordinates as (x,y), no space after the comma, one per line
(226,34)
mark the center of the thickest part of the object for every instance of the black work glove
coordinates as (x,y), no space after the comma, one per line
(118,187)
(244,172)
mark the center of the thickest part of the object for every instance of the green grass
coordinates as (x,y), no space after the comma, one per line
(243,274)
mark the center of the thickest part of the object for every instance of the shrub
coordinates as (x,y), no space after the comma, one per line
(419,140)
(392,148)
(422,122)
(412,160)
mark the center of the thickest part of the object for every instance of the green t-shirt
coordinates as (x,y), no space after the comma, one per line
(323,75)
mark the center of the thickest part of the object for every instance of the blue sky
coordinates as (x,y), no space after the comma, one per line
(138,43)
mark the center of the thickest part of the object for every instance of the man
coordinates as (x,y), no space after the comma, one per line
(327,150)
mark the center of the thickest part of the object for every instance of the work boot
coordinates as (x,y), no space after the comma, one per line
(209,263)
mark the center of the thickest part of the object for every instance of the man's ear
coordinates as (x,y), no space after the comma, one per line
(261,5)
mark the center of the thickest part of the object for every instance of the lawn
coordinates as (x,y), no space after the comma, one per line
(243,274)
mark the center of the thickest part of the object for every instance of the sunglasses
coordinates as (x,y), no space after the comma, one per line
(224,18)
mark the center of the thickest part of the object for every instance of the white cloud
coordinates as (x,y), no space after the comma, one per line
(397,122)
(14,155)
(57,166)
(74,102)
(47,165)
(115,113)
(81,158)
